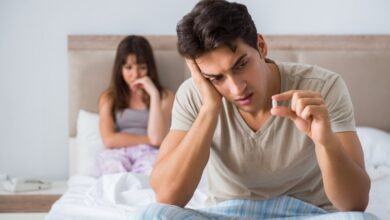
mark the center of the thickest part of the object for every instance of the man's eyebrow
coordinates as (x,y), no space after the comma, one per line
(238,61)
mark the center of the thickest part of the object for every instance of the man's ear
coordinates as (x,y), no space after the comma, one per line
(262,46)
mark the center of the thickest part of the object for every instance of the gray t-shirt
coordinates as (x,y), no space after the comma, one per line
(132,121)
(276,160)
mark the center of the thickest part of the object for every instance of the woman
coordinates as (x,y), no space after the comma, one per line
(134,111)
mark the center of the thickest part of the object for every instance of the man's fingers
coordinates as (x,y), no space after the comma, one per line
(302,124)
(283,112)
(312,111)
(284,95)
(195,71)
(299,99)
(300,104)
(192,66)
(288,95)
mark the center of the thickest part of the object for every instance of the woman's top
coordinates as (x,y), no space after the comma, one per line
(132,121)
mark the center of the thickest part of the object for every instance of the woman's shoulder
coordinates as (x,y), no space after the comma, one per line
(167,97)
(105,98)
(167,94)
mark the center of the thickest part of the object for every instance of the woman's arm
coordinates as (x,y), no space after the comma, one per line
(112,138)
(159,110)
(159,116)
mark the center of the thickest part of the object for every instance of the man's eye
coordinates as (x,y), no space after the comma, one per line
(215,79)
(241,65)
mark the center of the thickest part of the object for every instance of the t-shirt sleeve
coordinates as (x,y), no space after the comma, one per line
(186,106)
(339,105)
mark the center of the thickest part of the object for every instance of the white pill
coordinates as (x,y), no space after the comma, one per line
(274,103)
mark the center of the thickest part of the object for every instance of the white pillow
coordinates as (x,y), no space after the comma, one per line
(376,146)
(89,143)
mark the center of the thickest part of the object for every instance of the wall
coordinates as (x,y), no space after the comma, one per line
(33,58)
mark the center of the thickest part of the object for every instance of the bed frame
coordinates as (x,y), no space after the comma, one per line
(363,62)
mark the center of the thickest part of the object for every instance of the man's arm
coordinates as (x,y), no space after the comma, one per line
(339,155)
(182,159)
(345,180)
(184,155)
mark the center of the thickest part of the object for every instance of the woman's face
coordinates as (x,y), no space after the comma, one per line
(132,70)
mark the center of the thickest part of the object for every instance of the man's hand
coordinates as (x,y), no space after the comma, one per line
(309,113)
(340,156)
(210,95)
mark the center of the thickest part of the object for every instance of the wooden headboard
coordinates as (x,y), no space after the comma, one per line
(363,62)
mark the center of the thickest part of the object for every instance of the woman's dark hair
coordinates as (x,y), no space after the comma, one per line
(214,23)
(118,91)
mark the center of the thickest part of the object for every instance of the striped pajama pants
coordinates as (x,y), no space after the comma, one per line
(283,208)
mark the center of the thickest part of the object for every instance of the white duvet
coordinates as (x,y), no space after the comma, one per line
(116,196)
(112,196)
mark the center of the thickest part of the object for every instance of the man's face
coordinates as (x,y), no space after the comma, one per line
(239,76)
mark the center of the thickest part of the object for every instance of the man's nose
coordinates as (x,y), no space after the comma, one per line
(237,85)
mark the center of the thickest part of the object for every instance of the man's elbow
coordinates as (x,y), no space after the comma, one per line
(168,194)
(358,204)
(356,207)
(169,198)
(361,207)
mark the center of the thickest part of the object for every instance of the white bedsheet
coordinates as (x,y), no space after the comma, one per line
(116,196)
(112,196)
(73,204)
(379,203)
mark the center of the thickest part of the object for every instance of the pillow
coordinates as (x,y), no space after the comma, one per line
(89,143)
(376,146)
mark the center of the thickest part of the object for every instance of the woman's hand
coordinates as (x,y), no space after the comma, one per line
(209,94)
(146,84)
(309,113)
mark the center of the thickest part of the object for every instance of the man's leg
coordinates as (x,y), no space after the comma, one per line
(286,208)
(158,211)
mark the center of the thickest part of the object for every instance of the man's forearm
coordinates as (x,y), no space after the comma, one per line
(177,174)
(346,183)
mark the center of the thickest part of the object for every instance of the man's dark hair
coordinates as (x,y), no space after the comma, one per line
(214,23)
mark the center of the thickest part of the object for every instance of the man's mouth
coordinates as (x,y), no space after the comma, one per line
(246,100)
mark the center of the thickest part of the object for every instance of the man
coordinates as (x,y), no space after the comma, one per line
(305,149)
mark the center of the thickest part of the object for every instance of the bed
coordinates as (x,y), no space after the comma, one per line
(363,62)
